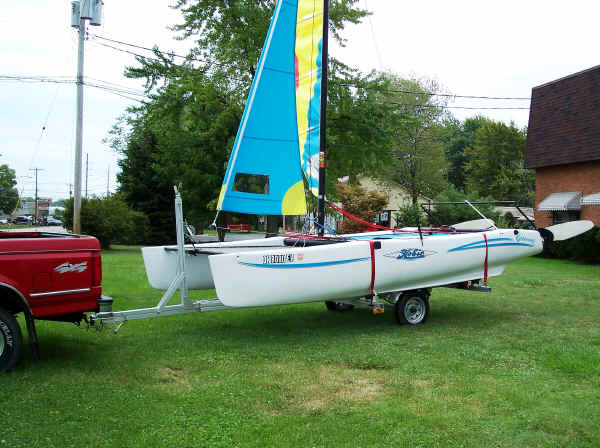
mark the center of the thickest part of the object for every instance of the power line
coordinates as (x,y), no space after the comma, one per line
(445,95)
(120,86)
(33,79)
(129,52)
(436,106)
(57,80)
(122,92)
(355,84)
(145,48)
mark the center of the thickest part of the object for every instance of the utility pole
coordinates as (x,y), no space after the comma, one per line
(80,12)
(86,174)
(36,191)
(107,180)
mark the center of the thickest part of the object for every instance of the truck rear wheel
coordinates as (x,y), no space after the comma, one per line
(11,340)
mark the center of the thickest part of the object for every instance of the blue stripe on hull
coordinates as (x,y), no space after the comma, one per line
(491,243)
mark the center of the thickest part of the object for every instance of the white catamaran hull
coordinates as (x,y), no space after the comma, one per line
(161,261)
(282,275)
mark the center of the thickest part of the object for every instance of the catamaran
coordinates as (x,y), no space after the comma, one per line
(280,147)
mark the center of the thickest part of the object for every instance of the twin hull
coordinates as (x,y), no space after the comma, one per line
(266,272)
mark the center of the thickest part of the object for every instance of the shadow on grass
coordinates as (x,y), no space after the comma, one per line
(254,332)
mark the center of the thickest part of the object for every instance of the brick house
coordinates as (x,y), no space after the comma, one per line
(563,146)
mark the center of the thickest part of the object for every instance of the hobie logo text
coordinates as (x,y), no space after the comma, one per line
(410,254)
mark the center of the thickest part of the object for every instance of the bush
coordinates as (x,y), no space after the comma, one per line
(410,215)
(507,221)
(585,247)
(361,203)
(110,220)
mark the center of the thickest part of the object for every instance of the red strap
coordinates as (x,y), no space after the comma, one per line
(485,263)
(372,246)
(371,226)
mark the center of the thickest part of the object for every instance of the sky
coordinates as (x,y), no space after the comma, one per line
(469,47)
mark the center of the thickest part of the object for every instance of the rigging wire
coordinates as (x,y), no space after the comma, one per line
(43,130)
(377,50)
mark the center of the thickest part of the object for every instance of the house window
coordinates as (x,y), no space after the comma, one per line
(559,217)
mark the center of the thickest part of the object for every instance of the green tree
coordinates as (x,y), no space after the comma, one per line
(108,219)
(9,196)
(410,215)
(183,135)
(414,124)
(142,187)
(496,163)
(358,139)
(230,34)
(460,136)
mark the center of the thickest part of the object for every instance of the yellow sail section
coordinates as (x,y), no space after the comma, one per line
(221,196)
(309,38)
(294,202)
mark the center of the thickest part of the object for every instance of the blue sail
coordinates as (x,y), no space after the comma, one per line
(264,174)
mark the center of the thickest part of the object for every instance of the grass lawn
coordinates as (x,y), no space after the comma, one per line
(519,367)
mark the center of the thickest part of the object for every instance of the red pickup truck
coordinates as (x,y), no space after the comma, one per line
(47,276)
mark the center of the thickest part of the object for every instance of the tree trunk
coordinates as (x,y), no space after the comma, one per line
(272,225)
(221,227)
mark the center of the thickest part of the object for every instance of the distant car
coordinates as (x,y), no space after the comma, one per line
(22,219)
(52,221)
(3,221)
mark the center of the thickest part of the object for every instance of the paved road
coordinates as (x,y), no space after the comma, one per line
(52,229)
(230,236)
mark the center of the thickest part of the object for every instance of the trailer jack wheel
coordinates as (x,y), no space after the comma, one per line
(338,306)
(412,308)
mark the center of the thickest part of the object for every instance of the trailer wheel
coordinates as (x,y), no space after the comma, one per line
(338,306)
(11,340)
(412,308)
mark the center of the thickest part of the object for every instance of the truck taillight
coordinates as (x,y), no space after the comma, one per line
(96,269)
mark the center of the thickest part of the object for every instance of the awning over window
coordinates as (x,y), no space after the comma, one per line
(561,202)
(591,199)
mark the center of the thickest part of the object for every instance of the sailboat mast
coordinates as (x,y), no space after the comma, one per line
(325,57)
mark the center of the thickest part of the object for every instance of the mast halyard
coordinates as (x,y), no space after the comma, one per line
(323,136)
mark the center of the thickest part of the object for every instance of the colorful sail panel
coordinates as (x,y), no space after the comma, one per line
(264,175)
(309,38)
